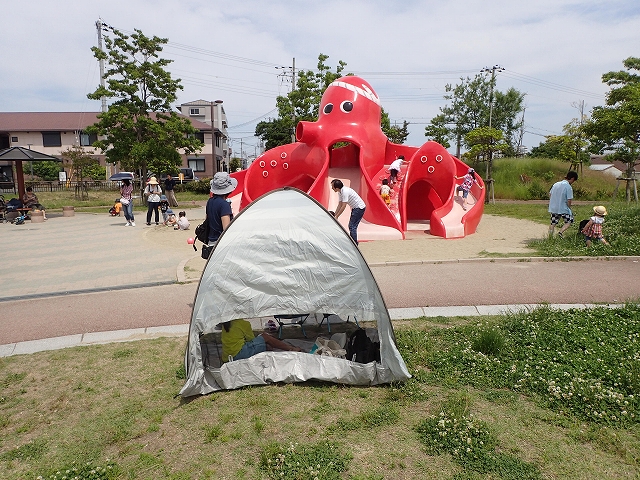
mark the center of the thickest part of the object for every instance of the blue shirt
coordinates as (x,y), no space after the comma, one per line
(558,196)
(217,207)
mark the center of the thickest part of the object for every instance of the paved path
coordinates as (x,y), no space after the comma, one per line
(88,279)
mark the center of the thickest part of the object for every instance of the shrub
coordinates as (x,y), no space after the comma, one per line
(489,342)
(322,461)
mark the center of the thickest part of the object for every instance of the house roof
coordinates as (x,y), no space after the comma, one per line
(60,121)
(600,160)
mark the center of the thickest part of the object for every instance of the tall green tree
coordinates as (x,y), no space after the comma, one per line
(303,103)
(139,130)
(569,147)
(484,143)
(614,128)
(469,108)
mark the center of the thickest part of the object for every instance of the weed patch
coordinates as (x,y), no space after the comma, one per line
(321,461)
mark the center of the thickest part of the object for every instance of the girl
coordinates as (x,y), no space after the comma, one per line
(465,187)
(593,229)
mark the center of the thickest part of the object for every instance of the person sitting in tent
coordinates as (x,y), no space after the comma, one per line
(238,341)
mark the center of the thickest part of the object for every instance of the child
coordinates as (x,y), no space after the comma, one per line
(385,192)
(593,229)
(172,221)
(465,187)
(164,208)
(183,223)
(115,210)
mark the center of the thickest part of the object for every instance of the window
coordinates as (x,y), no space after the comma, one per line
(195,111)
(14,139)
(51,139)
(196,164)
(217,141)
(87,139)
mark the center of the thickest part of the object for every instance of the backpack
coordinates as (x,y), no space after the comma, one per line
(361,349)
(583,224)
(202,234)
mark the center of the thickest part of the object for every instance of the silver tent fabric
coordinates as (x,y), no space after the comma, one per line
(285,254)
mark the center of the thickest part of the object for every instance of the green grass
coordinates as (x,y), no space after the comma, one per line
(549,403)
(532,178)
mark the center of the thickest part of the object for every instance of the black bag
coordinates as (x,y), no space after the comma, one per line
(202,232)
(206,251)
(583,224)
(361,349)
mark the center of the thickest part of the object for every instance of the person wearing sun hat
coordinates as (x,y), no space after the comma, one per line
(593,229)
(153,192)
(219,213)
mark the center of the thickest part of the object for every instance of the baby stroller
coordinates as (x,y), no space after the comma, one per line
(3,210)
(116,209)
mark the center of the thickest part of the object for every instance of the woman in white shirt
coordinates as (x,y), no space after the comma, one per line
(153,192)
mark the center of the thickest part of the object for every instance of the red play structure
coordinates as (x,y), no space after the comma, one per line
(423,198)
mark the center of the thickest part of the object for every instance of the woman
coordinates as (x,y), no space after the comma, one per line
(153,192)
(30,200)
(126,191)
(238,341)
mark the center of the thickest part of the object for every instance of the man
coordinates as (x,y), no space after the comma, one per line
(560,198)
(348,196)
(394,169)
(169,185)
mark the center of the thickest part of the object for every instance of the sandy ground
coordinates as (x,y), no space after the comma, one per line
(495,235)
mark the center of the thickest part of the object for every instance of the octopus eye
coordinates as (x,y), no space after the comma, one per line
(346,106)
(328,107)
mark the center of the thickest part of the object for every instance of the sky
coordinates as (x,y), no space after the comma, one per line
(553,51)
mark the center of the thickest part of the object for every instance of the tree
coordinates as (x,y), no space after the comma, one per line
(614,129)
(483,143)
(303,103)
(235,164)
(139,130)
(80,163)
(46,170)
(569,147)
(395,133)
(470,108)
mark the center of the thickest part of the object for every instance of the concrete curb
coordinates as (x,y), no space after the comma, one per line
(504,260)
(182,330)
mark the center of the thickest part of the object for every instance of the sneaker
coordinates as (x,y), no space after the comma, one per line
(157,223)
(148,223)
(133,224)
(127,224)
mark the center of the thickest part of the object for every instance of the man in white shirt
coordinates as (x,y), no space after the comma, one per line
(349,196)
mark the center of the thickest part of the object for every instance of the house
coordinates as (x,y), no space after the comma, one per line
(213,114)
(54,132)
(615,168)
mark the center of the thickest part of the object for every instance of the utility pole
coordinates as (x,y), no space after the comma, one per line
(489,192)
(493,70)
(99,25)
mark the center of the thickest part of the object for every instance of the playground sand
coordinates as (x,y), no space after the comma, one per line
(495,235)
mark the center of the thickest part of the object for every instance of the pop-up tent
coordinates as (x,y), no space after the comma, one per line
(285,254)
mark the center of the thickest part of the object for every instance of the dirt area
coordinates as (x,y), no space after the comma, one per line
(495,235)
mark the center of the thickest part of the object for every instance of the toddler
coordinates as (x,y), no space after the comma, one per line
(593,229)
(385,192)
(183,223)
